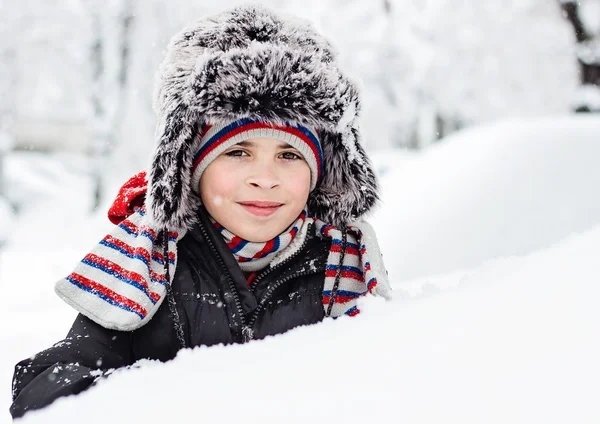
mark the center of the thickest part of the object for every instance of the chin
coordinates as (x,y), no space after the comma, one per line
(259,237)
(253,238)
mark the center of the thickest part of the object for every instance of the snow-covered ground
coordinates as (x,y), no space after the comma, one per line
(492,241)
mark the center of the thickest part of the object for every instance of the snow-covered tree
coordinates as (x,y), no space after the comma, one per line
(584,17)
(8,77)
(425,68)
(110,51)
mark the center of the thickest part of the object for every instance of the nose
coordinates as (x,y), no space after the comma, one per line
(263,176)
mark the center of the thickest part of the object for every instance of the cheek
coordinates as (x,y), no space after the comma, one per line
(216,185)
(299,184)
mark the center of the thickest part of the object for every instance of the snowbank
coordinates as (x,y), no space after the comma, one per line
(513,341)
(492,191)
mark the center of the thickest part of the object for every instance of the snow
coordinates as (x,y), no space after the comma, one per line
(587,96)
(501,190)
(491,239)
(512,341)
(6,220)
(409,59)
(32,178)
(589,52)
(590,15)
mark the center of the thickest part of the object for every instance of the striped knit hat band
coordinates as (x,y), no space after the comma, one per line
(215,139)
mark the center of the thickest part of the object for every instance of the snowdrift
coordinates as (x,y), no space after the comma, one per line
(491,191)
(514,340)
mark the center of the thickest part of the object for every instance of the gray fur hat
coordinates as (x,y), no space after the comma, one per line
(248,62)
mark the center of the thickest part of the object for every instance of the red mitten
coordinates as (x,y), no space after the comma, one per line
(130,198)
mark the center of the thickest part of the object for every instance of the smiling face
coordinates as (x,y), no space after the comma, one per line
(256,189)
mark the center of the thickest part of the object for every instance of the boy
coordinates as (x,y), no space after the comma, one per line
(249,223)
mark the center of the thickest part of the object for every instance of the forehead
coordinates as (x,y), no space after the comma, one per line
(263,142)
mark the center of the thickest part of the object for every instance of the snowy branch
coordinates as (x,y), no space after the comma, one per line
(587,98)
(588,52)
(571,12)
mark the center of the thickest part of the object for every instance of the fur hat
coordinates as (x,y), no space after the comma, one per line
(248,62)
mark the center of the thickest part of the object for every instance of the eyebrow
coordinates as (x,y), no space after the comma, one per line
(248,143)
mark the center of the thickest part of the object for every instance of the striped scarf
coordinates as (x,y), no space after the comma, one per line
(348,273)
(254,256)
(122,282)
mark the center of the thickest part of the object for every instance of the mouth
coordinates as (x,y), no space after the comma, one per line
(261,208)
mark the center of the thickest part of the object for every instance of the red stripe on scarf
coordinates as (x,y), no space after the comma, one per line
(126,273)
(146,229)
(121,244)
(339,299)
(354,312)
(345,274)
(349,249)
(266,249)
(109,293)
(235,241)
(161,258)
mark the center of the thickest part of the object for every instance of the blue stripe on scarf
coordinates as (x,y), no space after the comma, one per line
(120,277)
(344,268)
(142,233)
(345,293)
(371,281)
(351,310)
(276,244)
(127,229)
(348,244)
(136,256)
(155,258)
(124,252)
(104,297)
(239,246)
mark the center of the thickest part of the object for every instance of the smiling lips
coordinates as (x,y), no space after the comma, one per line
(260,208)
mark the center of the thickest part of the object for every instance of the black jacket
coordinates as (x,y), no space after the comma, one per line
(213,304)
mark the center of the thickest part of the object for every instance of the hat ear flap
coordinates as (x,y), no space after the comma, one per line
(171,201)
(348,187)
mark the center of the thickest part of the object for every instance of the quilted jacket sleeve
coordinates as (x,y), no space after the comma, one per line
(70,366)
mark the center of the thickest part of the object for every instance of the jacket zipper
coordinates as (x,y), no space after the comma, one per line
(274,286)
(268,295)
(244,328)
(247,329)
(285,261)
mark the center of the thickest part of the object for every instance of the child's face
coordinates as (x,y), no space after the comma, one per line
(256,170)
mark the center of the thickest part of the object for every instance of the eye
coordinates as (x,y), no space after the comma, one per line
(291,156)
(236,153)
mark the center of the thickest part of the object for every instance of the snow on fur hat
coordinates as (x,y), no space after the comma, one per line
(249,63)
(215,139)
